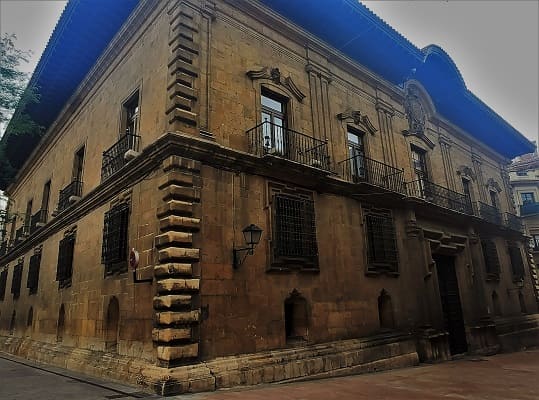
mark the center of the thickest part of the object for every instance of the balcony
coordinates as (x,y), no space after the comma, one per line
(270,139)
(119,154)
(38,220)
(529,208)
(513,222)
(21,234)
(439,195)
(69,195)
(360,169)
(488,213)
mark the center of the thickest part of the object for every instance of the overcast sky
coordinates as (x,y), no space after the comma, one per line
(494,44)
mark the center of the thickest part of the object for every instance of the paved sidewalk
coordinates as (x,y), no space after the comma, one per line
(512,376)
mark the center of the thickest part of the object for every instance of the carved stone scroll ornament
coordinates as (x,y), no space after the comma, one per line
(274,75)
(493,185)
(466,172)
(358,119)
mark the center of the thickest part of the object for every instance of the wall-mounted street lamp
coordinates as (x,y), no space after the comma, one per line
(252,235)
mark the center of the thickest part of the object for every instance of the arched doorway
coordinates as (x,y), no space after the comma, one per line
(296,318)
(60,328)
(385,311)
(112,325)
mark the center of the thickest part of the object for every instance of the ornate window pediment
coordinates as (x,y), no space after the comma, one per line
(466,172)
(492,185)
(362,121)
(274,75)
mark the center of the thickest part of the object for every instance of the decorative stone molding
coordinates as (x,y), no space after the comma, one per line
(274,75)
(358,119)
(417,117)
(492,185)
(466,172)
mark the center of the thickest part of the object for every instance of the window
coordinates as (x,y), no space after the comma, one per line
(356,152)
(492,263)
(3,283)
(78,164)
(114,247)
(522,173)
(16,280)
(517,264)
(45,199)
(28,216)
(130,115)
(64,269)
(419,162)
(273,122)
(494,199)
(33,272)
(382,255)
(527,198)
(294,229)
(534,242)
(467,192)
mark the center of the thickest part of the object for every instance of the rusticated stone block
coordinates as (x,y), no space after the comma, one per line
(177,162)
(170,301)
(177,317)
(171,353)
(177,253)
(175,207)
(172,285)
(182,193)
(165,270)
(170,334)
(176,178)
(179,223)
(187,117)
(166,239)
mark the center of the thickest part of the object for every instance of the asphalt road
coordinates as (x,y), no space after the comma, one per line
(512,376)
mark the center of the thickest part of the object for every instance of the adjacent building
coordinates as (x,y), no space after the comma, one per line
(235,192)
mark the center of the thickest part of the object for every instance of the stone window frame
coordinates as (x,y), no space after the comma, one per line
(124,104)
(16,279)
(390,265)
(34,266)
(122,211)
(491,259)
(282,263)
(64,266)
(517,262)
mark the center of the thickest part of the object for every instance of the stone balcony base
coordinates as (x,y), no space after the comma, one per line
(339,358)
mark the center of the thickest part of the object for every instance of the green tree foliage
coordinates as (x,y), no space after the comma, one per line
(15,97)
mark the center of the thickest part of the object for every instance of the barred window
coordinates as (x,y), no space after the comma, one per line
(64,269)
(16,280)
(33,272)
(294,233)
(3,282)
(492,263)
(517,265)
(382,255)
(114,248)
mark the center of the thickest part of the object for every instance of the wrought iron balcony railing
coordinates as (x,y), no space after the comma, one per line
(38,219)
(117,155)
(488,213)
(529,208)
(359,169)
(513,222)
(71,192)
(271,139)
(439,195)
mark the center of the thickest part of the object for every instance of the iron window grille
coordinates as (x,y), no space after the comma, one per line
(3,283)
(492,263)
(517,264)
(33,272)
(294,233)
(114,248)
(382,254)
(17,278)
(64,269)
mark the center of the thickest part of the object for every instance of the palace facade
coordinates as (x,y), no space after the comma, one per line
(379,182)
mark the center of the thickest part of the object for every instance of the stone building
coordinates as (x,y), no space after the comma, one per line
(378,180)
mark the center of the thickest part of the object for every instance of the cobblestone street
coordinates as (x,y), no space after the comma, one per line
(504,377)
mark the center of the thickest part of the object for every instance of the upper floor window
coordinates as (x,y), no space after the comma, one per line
(114,247)
(517,264)
(64,268)
(273,121)
(419,161)
(46,196)
(3,283)
(33,272)
(467,192)
(16,279)
(130,115)
(382,255)
(492,263)
(356,152)
(78,164)
(527,197)
(522,173)
(494,202)
(294,230)
(534,242)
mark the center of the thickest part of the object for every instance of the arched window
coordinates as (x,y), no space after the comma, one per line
(296,317)
(12,323)
(522,303)
(385,311)
(61,324)
(496,304)
(111,325)
(30,318)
